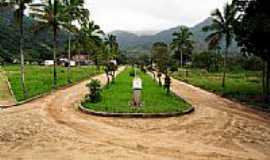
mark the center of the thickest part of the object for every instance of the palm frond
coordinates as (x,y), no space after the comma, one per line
(213,39)
(217,15)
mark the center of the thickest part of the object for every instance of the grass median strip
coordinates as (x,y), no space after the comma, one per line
(116,97)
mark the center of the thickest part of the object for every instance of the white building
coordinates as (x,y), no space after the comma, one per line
(48,62)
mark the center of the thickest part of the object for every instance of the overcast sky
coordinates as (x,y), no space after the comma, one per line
(137,15)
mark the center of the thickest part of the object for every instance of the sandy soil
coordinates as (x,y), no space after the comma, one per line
(53,128)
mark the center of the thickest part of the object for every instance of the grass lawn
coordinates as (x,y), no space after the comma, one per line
(39,79)
(245,86)
(116,97)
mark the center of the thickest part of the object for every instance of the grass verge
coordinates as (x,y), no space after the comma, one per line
(116,97)
(243,86)
(5,95)
(38,79)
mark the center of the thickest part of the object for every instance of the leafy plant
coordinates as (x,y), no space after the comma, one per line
(160,55)
(95,91)
(132,73)
(174,68)
(143,69)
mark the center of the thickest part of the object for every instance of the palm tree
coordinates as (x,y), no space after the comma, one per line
(74,11)
(20,6)
(112,45)
(94,38)
(93,32)
(182,42)
(111,50)
(50,14)
(80,38)
(222,28)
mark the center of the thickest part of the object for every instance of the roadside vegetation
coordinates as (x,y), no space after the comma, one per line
(243,75)
(39,78)
(244,86)
(5,94)
(117,97)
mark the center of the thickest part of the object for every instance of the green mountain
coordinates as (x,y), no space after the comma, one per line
(37,46)
(130,41)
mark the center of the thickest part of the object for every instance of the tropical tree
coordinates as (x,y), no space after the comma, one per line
(222,28)
(112,46)
(94,40)
(79,41)
(111,51)
(50,14)
(89,38)
(75,11)
(182,43)
(160,55)
(20,6)
(253,32)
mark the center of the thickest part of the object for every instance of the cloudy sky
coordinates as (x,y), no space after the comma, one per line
(150,15)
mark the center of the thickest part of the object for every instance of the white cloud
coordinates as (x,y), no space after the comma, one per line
(137,15)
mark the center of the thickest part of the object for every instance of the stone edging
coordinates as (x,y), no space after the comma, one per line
(135,115)
(45,94)
(9,86)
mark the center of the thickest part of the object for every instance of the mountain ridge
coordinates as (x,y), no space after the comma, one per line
(128,40)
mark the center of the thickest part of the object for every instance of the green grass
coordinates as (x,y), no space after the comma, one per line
(4,91)
(244,86)
(38,79)
(116,97)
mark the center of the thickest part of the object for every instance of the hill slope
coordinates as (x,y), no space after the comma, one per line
(131,41)
(33,42)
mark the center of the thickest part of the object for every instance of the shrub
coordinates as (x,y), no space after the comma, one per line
(95,91)
(208,60)
(174,68)
(167,84)
(132,73)
(143,69)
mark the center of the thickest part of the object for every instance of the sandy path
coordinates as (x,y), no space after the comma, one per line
(53,128)
(5,95)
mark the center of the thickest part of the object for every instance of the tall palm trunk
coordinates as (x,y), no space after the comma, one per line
(21,49)
(263,79)
(97,64)
(267,82)
(54,57)
(224,66)
(79,57)
(181,57)
(69,58)
(54,44)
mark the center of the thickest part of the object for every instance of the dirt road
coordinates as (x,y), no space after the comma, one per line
(52,128)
